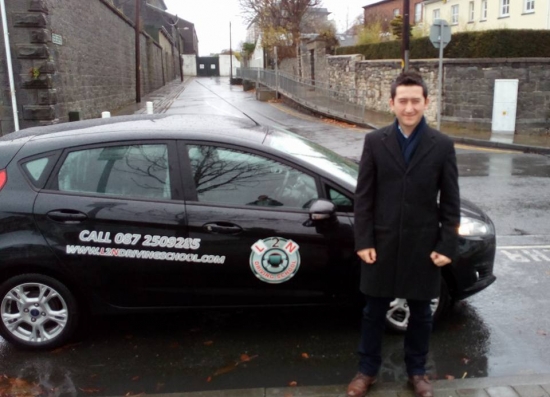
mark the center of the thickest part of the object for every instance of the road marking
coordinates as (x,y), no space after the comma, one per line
(484,149)
(527,254)
(519,247)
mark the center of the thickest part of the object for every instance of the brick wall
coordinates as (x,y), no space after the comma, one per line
(90,72)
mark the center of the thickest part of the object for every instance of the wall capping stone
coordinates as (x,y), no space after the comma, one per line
(32,51)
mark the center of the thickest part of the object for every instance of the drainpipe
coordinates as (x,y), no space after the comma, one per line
(10,68)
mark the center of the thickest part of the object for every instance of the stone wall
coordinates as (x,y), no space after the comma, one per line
(90,71)
(468,87)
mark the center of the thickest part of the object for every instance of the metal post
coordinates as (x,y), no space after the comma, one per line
(276,73)
(406,34)
(10,66)
(138,51)
(230,57)
(440,77)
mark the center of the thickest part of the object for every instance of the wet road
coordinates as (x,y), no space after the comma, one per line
(501,331)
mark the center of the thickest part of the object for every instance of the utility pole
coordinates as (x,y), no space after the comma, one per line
(138,52)
(406,36)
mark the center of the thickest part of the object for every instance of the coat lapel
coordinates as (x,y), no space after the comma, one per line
(390,141)
(426,144)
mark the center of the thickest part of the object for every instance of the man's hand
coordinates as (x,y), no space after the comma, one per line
(439,260)
(368,255)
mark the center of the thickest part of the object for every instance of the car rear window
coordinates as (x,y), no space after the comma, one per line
(37,170)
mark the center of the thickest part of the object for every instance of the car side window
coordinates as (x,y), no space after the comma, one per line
(343,203)
(232,177)
(139,171)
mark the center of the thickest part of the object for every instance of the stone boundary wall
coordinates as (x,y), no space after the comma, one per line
(468,87)
(91,71)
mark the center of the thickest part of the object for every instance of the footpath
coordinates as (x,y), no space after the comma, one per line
(512,386)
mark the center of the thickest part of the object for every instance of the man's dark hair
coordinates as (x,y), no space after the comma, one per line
(408,79)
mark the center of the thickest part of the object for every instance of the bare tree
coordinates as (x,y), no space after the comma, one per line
(279,20)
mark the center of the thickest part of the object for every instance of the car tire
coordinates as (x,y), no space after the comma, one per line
(37,312)
(398,315)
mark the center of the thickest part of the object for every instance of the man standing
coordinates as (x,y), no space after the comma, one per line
(403,233)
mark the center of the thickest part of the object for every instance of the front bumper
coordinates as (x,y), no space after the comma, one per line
(473,271)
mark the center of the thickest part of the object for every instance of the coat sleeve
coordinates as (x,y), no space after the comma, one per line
(449,207)
(364,199)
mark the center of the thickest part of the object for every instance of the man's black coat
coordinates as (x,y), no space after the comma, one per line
(397,212)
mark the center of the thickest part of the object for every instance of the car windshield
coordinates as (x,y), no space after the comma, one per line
(315,154)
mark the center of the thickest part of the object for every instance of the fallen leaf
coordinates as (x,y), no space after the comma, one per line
(541,332)
(135,378)
(209,379)
(66,347)
(449,377)
(245,358)
(226,369)
(293,383)
(208,343)
(89,390)
(305,355)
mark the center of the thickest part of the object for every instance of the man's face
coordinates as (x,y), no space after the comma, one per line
(409,105)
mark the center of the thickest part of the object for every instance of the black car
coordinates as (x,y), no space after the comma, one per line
(161,212)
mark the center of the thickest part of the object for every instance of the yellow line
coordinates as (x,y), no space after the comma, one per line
(483,149)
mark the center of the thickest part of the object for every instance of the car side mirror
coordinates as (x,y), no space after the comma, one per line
(322,210)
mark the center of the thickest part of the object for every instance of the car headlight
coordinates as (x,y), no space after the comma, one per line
(473,227)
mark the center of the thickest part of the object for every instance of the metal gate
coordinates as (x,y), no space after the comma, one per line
(208,66)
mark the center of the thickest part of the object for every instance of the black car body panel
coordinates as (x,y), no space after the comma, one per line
(122,253)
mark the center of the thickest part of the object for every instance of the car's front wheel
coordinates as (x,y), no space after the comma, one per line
(38,312)
(397,317)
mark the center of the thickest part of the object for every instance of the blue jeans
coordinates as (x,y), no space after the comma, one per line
(417,336)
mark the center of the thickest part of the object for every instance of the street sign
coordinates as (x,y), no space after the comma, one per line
(440,32)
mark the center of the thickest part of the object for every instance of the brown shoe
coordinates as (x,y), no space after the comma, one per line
(422,386)
(359,385)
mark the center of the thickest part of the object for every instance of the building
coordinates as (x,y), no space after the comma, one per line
(155,17)
(75,59)
(489,14)
(384,11)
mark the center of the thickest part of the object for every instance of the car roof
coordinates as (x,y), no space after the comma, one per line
(142,125)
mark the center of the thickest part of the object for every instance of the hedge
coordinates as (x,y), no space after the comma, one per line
(501,43)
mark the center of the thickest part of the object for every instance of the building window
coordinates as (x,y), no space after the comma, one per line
(436,14)
(504,8)
(418,12)
(395,12)
(529,6)
(484,10)
(471,12)
(454,15)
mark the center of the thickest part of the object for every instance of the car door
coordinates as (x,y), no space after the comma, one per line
(114,216)
(257,244)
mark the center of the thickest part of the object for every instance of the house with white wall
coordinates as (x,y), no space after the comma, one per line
(471,15)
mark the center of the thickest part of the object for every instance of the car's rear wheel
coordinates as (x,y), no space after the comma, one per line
(38,312)
(397,318)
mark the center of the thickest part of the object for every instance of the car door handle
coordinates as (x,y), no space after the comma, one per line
(67,216)
(223,228)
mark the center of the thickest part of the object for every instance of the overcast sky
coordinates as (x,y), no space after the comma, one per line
(212,17)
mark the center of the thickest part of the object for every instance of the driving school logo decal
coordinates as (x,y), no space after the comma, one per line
(275,260)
